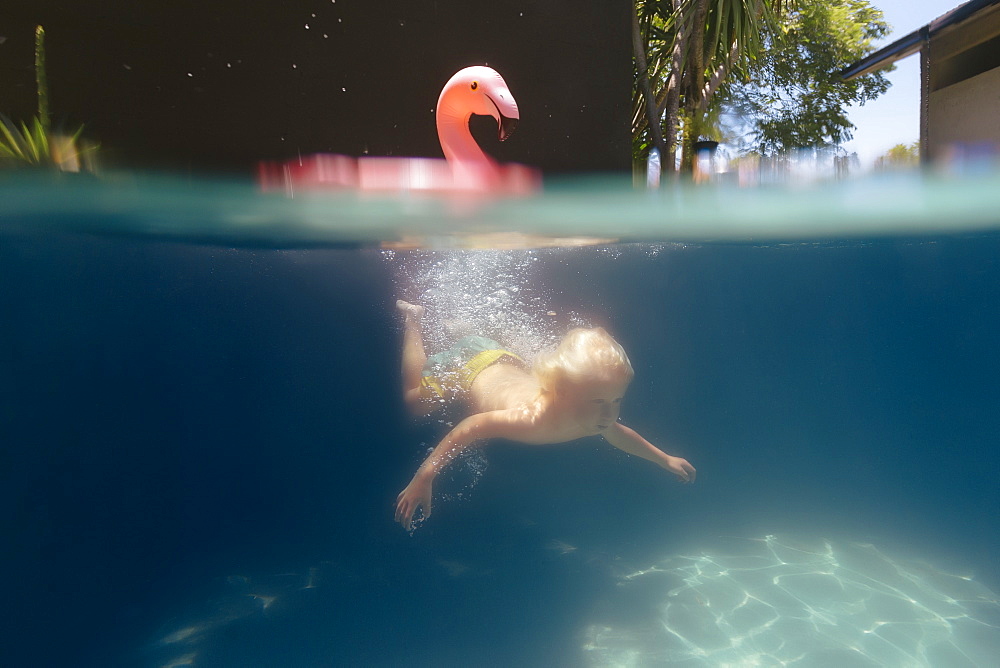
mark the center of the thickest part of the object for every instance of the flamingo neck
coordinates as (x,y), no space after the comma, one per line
(457,141)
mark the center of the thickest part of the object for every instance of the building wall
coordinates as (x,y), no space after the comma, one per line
(965,116)
(960,116)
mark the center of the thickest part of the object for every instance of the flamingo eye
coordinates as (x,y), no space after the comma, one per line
(475,85)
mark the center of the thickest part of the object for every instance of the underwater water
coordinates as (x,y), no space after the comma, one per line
(203,441)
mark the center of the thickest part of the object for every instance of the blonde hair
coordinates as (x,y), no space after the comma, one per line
(583,355)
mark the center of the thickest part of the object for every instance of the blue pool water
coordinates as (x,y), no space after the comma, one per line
(203,441)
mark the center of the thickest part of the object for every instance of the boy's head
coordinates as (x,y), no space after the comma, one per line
(583,357)
(586,375)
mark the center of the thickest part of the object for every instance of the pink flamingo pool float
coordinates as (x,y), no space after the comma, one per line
(466,168)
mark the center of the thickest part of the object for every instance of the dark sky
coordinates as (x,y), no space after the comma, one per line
(219,84)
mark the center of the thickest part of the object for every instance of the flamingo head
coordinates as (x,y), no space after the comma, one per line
(480,90)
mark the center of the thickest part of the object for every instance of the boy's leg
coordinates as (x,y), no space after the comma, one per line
(414,357)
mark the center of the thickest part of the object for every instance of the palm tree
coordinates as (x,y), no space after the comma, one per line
(685,50)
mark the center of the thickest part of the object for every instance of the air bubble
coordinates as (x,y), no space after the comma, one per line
(487,293)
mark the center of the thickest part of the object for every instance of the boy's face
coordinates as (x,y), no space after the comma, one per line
(595,405)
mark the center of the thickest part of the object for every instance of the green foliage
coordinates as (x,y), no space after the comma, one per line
(34,143)
(28,143)
(685,52)
(794,96)
(771,64)
(900,156)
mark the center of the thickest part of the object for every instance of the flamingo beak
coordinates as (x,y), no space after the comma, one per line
(506,121)
(507,126)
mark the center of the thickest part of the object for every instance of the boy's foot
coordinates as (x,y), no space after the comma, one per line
(414,311)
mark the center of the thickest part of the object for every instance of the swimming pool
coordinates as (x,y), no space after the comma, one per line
(199,400)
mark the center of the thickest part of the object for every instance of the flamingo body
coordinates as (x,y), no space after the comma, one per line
(467,168)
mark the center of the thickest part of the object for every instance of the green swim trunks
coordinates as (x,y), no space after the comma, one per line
(450,373)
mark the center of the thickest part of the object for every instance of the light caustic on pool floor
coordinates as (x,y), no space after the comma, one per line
(758,602)
(774,602)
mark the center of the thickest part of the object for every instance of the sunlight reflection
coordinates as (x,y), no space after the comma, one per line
(773,601)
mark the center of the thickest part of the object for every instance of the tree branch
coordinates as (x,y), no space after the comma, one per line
(639,49)
(720,73)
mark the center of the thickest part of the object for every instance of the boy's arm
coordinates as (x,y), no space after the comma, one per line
(628,440)
(493,424)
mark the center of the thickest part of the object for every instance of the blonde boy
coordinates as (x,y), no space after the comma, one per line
(574,391)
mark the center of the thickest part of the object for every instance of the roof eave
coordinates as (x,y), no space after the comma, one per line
(888,55)
(912,43)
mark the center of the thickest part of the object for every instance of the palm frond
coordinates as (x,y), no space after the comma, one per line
(24,143)
(32,144)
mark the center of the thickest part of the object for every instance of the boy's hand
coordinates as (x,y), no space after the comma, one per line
(681,468)
(416,495)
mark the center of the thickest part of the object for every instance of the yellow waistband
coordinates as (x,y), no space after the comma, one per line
(467,374)
(463,377)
